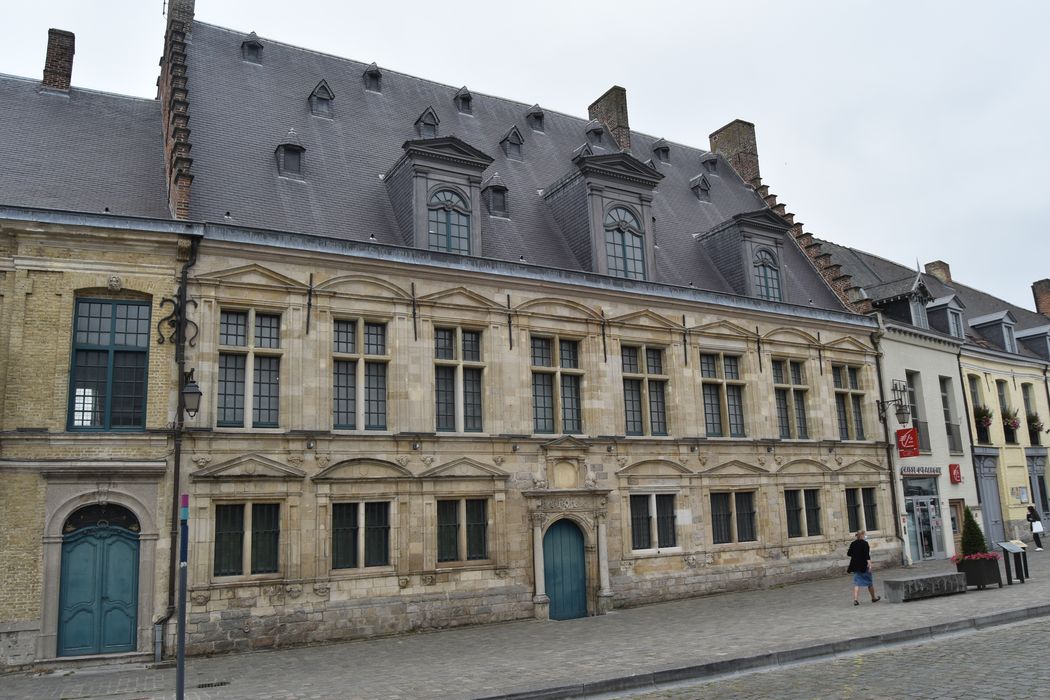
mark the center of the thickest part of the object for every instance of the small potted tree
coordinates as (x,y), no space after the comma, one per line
(980,566)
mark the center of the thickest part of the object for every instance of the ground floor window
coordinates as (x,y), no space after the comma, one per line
(803,512)
(462,527)
(246,538)
(360,534)
(861,510)
(733,517)
(653,513)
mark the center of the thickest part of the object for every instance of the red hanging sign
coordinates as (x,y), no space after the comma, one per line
(908,442)
(955,473)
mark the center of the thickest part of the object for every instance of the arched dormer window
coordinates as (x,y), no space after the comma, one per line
(448,223)
(427,124)
(767,275)
(290,156)
(624,244)
(512,144)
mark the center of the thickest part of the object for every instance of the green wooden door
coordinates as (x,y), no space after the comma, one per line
(564,571)
(98,594)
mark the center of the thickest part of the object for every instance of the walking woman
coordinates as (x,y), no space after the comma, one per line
(859,554)
(1036,524)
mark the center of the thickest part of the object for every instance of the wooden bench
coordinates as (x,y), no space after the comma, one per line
(900,590)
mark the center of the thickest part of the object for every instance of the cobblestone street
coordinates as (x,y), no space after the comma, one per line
(627,650)
(992,663)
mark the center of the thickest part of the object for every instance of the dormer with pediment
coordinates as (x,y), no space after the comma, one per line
(435,190)
(604,207)
(749,251)
(904,300)
(997,329)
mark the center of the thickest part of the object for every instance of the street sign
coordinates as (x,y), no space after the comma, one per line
(908,442)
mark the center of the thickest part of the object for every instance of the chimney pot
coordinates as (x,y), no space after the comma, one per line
(1041,292)
(939,269)
(736,142)
(58,64)
(611,110)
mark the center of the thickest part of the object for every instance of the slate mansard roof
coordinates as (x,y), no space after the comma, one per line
(240,111)
(82,151)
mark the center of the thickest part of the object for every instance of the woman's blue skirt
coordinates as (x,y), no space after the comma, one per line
(862,579)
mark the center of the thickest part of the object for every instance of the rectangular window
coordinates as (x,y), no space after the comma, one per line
(803,512)
(812,498)
(793,505)
(745,516)
(477,529)
(951,426)
(790,392)
(458,373)
(108,377)
(721,518)
(725,527)
(250,347)
(849,402)
(454,540)
(853,510)
(871,514)
(556,386)
(723,395)
(255,542)
(265,535)
(229,540)
(377,534)
(360,527)
(448,530)
(359,377)
(644,391)
(344,535)
(640,536)
(665,520)
(861,502)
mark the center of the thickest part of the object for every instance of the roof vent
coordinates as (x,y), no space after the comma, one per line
(373,78)
(290,156)
(427,124)
(464,101)
(321,100)
(251,49)
(534,118)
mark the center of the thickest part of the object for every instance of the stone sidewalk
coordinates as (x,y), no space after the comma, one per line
(630,648)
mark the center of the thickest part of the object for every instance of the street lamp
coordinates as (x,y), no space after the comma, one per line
(191,395)
(900,400)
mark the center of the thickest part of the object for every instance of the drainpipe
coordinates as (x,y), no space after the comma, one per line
(177,430)
(969,429)
(875,336)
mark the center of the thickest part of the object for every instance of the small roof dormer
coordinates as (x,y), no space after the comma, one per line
(534,118)
(289,154)
(595,133)
(1036,340)
(494,191)
(464,101)
(998,329)
(321,100)
(251,49)
(373,78)
(512,144)
(662,151)
(701,187)
(427,124)
(709,161)
(946,315)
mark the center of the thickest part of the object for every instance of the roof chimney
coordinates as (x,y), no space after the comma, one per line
(940,270)
(1041,292)
(611,110)
(58,66)
(736,143)
(173,88)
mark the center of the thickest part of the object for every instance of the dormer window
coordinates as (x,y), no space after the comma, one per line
(710,162)
(624,244)
(918,312)
(373,78)
(955,323)
(701,187)
(464,101)
(495,193)
(512,144)
(662,151)
(767,275)
(427,124)
(448,222)
(251,49)
(321,100)
(534,118)
(595,133)
(290,156)
(1010,342)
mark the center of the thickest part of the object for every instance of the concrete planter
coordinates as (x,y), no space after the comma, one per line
(980,572)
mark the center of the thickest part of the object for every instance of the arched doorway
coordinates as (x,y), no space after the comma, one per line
(564,570)
(98,593)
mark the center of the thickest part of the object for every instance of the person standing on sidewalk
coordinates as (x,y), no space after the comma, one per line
(859,554)
(1036,523)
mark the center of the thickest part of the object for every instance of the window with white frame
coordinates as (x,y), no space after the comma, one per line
(849,401)
(789,392)
(951,424)
(359,385)
(733,517)
(767,275)
(862,513)
(803,512)
(653,521)
(556,385)
(249,347)
(955,324)
(644,390)
(360,534)
(723,395)
(462,530)
(247,537)
(458,372)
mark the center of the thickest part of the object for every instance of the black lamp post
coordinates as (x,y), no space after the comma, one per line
(191,395)
(900,400)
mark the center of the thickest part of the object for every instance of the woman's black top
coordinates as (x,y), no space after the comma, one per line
(1032,517)
(859,553)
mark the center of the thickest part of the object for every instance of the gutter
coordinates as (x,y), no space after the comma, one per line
(969,429)
(875,336)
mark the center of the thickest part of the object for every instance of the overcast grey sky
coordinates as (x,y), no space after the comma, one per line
(912,130)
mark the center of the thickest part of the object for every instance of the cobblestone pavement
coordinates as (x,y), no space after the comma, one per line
(992,663)
(529,655)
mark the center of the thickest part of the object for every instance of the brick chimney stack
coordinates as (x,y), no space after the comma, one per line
(611,110)
(940,270)
(1041,292)
(58,66)
(173,88)
(736,143)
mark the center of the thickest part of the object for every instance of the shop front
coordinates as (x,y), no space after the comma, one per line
(924,517)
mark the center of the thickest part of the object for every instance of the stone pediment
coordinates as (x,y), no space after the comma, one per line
(723,328)
(791,335)
(253,275)
(763,219)
(848,343)
(464,468)
(803,466)
(363,469)
(252,466)
(619,166)
(566,443)
(861,466)
(560,308)
(735,467)
(448,148)
(654,467)
(460,296)
(647,319)
(363,286)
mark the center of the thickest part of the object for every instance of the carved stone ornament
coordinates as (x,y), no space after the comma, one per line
(622,461)
(502,573)
(201,460)
(428,460)
(627,566)
(538,519)
(702,458)
(297,460)
(538,483)
(402,582)
(838,460)
(114,284)
(779,459)
(590,481)
(560,503)
(324,460)
(294,590)
(321,588)
(402,460)
(201,597)
(429,579)
(691,561)
(761,461)
(499,460)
